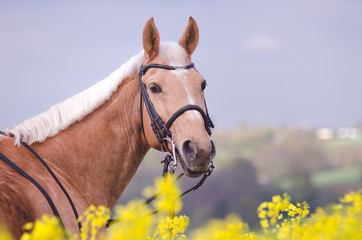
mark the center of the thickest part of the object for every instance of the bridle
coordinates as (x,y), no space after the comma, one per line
(161,130)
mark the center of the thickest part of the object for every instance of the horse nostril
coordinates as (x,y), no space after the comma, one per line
(189,150)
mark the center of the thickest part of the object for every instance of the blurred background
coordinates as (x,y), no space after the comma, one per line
(284,84)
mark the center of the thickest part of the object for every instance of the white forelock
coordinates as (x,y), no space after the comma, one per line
(172,53)
(75,108)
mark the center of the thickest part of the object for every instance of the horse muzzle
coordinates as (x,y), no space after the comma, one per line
(195,161)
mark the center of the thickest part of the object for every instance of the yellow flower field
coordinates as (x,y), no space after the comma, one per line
(279,219)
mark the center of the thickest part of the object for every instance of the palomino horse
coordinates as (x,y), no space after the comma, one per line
(94,141)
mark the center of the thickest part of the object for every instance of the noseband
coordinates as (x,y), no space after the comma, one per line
(162,130)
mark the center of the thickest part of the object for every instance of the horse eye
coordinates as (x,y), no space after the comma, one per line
(155,88)
(203,85)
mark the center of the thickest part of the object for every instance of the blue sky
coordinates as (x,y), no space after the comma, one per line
(266,62)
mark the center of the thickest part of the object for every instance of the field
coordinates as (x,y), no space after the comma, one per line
(279,218)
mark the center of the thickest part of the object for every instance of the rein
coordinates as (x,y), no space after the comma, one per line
(41,189)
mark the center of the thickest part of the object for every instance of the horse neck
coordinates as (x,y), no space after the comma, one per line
(101,153)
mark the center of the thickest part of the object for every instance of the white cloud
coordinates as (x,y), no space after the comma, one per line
(260,44)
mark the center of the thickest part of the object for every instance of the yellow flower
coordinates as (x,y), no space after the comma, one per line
(348,198)
(276,199)
(169,194)
(44,228)
(262,214)
(4,233)
(135,221)
(264,223)
(172,228)
(305,213)
(93,219)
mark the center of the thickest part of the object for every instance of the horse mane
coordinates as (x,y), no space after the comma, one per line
(75,108)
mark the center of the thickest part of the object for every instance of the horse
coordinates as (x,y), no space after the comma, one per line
(95,140)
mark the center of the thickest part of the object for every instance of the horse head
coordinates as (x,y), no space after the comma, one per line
(178,95)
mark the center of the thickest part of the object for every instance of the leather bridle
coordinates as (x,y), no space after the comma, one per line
(162,130)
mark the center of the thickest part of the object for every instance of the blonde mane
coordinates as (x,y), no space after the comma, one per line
(75,108)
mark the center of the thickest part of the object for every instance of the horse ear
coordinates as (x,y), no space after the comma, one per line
(190,37)
(151,38)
